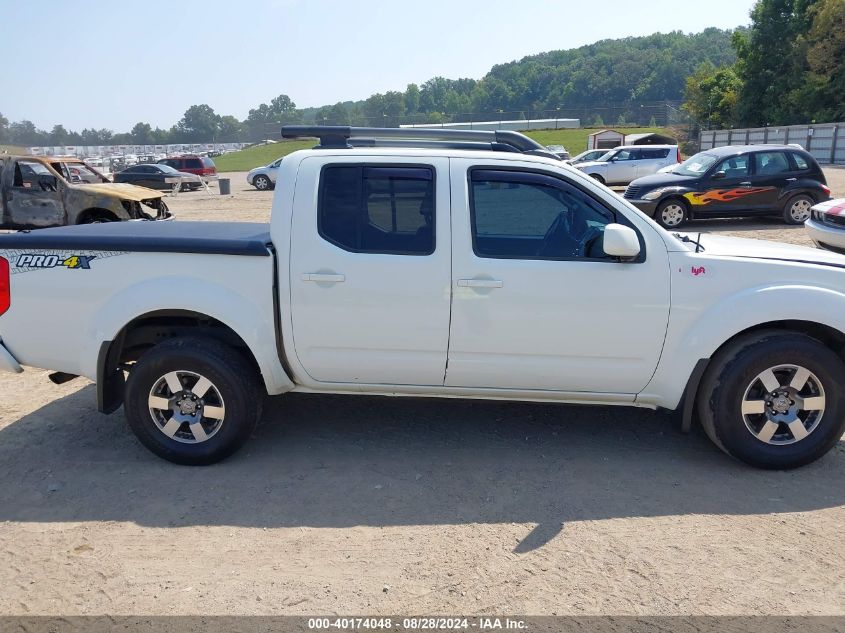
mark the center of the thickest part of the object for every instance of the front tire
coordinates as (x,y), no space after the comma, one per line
(797,209)
(597,178)
(262,183)
(671,214)
(193,400)
(773,399)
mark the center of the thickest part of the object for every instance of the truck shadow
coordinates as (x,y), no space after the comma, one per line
(338,461)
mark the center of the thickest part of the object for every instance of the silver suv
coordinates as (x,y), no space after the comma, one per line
(623,164)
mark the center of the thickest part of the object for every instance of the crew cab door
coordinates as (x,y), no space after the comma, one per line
(32,196)
(370,270)
(536,303)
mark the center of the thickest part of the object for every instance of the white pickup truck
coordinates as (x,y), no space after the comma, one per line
(461,265)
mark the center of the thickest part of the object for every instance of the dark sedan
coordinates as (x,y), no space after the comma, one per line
(158,177)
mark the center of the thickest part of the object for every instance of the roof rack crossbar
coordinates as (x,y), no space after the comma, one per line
(342,136)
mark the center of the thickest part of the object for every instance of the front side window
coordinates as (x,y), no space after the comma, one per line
(388,210)
(770,163)
(27,174)
(524,215)
(735,167)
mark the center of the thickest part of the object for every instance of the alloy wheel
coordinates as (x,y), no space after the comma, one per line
(186,407)
(783,404)
(800,210)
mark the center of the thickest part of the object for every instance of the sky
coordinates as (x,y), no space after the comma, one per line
(110,64)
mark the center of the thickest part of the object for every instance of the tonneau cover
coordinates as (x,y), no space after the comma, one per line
(216,238)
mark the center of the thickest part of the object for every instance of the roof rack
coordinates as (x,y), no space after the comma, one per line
(346,137)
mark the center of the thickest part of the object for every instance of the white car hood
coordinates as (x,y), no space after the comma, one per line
(762,249)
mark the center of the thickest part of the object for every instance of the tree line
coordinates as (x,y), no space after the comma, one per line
(789,69)
(625,72)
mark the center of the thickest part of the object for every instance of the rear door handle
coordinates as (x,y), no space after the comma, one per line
(745,184)
(480,283)
(323,278)
(791,179)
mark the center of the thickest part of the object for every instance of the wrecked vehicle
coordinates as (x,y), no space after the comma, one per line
(37,192)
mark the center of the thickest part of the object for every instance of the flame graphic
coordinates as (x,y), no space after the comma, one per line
(723,195)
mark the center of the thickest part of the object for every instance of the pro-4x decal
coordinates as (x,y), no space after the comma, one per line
(33,260)
(23,261)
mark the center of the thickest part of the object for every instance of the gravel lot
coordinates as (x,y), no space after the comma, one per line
(375,505)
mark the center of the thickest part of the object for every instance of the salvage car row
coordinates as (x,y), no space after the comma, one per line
(38,192)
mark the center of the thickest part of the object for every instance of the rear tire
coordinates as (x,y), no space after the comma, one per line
(767,422)
(193,400)
(797,209)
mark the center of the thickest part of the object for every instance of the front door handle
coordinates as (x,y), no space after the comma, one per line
(480,283)
(324,277)
(745,184)
(791,179)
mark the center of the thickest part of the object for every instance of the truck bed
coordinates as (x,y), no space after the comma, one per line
(211,238)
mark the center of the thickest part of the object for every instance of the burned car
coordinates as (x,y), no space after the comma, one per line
(38,192)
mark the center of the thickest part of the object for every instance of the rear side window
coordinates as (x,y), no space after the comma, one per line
(654,153)
(800,161)
(769,163)
(193,163)
(388,210)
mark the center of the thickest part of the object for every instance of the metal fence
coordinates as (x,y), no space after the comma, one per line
(825,141)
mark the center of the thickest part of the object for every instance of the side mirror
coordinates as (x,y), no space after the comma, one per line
(620,241)
(718,175)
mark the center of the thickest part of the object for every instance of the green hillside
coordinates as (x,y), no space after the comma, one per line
(574,140)
(258,155)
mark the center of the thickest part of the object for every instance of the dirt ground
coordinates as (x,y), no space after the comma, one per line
(370,505)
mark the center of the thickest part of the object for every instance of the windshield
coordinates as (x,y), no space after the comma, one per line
(167,169)
(606,157)
(696,165)
(79,173)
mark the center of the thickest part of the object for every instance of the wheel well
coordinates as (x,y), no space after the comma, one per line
(597,177)
(676,198)
(95,214)
(826,335)
(146,331)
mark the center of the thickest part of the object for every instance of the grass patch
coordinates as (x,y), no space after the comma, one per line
(259,155)
(573,140)
(11,149)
